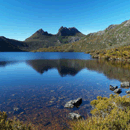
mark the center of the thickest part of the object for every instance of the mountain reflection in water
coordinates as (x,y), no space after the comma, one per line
(65,67)
(42,103)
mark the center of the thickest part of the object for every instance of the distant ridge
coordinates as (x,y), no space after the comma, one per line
(71,39)
(115,35)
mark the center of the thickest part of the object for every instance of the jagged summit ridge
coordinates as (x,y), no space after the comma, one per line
(41,32)
(64,31)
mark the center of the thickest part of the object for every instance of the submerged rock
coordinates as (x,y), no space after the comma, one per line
(125,84)
(73,103)
(18,110)
(118,90)
(113,88)
(128,92)
(74,116)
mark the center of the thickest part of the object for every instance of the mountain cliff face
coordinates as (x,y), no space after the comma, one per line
(63,31)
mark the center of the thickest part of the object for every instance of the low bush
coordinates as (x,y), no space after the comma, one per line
(11,124)
(111,113)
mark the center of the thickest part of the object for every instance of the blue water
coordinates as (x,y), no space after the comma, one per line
(34,82)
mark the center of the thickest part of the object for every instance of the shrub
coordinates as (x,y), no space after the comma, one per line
(11,124)
(111,113)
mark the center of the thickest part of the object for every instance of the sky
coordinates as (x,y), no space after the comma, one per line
(19,19)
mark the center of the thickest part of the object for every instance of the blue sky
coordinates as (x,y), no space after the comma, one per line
(19,19)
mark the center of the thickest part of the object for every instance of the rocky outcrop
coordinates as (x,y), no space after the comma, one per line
(74,116)
(113,88)
(73,103)
(41,32)
(111,27)
(125,84)
(128,92)
(64,31)
(118,90)
(127,23)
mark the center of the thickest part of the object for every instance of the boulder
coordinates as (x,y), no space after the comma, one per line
(73,103)
(125,84)
(74,116)
(113,88)
(118,90)
(127,92)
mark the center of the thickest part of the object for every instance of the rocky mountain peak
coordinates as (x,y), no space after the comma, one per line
(41,32)
(64,31)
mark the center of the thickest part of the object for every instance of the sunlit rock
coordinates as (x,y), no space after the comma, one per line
(125,84)
(74,116)
(118,90)
(128,92)
(113,88)
(73,103)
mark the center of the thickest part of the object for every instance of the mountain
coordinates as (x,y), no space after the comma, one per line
(63,31)
(44,39)
(41,39)
(70,39)
(115,35)
(7,45)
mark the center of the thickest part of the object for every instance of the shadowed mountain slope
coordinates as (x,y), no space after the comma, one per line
(7,45)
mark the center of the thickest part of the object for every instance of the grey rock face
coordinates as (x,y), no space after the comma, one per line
(74,116)
(111,27)
(74,39)
(128,92)
(113,88)
(100,33)
(118,90)
(127,23)
(125,84)
(73,103)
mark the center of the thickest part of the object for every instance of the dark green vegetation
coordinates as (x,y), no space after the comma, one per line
(41,39)
(8,45)
(111,113)
(11,124)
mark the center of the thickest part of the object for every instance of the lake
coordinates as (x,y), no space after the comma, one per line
(34,87)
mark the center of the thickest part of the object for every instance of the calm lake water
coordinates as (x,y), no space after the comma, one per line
(34,87)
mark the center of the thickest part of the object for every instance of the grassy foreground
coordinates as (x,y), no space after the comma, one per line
(111,113)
